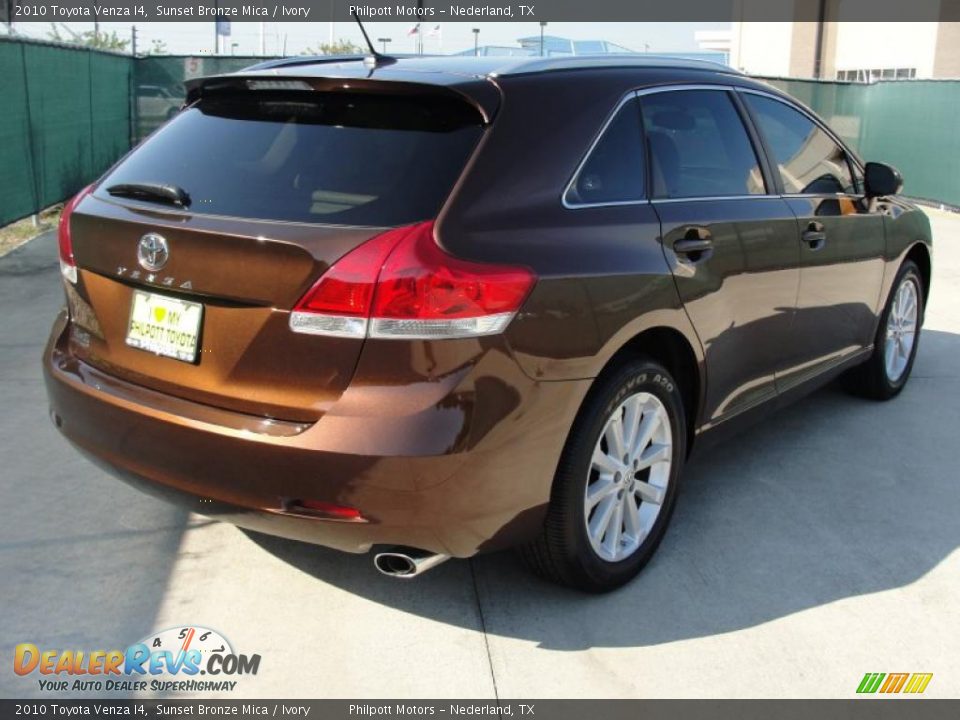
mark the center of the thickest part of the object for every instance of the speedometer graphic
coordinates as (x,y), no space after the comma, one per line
(177,640)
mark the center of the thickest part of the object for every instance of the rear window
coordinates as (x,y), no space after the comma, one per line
(337,158)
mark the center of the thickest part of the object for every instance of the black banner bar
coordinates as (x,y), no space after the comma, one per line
(859,709)
(138,11)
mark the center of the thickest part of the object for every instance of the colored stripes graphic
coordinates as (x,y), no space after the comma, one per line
(913,683)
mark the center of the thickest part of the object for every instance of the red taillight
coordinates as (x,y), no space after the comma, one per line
(402,285)
(68,265)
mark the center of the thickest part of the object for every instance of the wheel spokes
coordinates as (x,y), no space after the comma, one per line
(648,426)
(889,355)
(614,435)
(611,540)
(598,490)
(632,410)
(902,348)
(601,518)
(653,454)
(602,462)
(631,516)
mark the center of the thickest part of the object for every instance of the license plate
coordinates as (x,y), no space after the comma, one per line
(165,325)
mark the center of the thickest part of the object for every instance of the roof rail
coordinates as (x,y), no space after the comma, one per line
(531,65)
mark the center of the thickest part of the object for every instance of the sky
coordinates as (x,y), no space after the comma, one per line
(198,37)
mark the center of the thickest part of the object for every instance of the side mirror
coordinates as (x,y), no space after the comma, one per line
(881,179)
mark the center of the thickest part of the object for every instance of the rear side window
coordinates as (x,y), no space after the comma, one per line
(809,160)
(332,158)
(613,172)
(699,146)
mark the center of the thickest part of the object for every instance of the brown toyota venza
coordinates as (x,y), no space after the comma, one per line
(432,307)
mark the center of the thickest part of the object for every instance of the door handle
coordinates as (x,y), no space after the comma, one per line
(696,244)
(687,247)
(814,236)
(816,239)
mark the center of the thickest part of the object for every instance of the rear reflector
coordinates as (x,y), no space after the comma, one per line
(400,284)
(325,510)
(68,265)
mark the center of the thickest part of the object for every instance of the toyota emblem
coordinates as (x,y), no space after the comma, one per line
(152,252)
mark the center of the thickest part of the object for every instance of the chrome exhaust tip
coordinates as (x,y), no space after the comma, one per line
(406,563)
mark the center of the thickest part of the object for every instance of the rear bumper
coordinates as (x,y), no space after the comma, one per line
(467,474)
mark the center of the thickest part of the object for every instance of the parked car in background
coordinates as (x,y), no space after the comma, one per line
(155,105)
(435,307)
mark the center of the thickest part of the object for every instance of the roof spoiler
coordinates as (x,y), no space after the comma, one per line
(479,94)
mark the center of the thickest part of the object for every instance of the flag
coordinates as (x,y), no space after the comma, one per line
(415,30)
(435,30)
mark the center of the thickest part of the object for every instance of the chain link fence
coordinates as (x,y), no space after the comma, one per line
(69,113)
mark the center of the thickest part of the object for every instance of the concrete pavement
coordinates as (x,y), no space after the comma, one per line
(803,554)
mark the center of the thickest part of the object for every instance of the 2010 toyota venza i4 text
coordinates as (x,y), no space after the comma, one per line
(433,307)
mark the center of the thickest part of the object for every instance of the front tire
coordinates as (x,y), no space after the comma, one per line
(616,483)
(886,372)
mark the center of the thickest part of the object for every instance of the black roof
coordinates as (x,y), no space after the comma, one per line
(466,76)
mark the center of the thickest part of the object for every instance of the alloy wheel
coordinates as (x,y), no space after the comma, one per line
(628,477)
(901,329)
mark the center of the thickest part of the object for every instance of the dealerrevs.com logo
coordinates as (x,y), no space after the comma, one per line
(182,659)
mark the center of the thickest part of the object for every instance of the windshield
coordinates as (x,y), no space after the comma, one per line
(332,158)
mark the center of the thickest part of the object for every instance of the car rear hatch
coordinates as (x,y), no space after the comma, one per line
(189,291)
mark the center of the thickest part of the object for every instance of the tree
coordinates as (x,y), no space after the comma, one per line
(157,47)
(90,38)
(339,47)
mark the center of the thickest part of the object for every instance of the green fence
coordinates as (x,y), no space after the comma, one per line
(69,113)
(65,119)
(911,124)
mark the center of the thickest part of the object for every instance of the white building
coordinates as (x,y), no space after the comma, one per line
(843,47)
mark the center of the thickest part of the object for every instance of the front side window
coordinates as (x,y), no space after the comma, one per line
(613,172)
(810,161)
(699,146)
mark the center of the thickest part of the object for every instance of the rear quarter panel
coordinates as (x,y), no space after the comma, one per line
(602,274)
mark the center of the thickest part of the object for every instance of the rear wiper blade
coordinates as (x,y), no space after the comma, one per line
(152,192)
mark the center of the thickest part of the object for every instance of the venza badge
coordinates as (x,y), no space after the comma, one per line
(152,252)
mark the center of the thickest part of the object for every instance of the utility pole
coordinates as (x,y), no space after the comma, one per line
(818,41)
(476,42)
(263,41)
(134,127)
(543,24)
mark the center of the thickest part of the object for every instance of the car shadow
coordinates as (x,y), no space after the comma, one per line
(832,498)
(84,561)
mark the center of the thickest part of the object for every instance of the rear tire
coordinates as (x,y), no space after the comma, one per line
(886,372)
(612,499)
